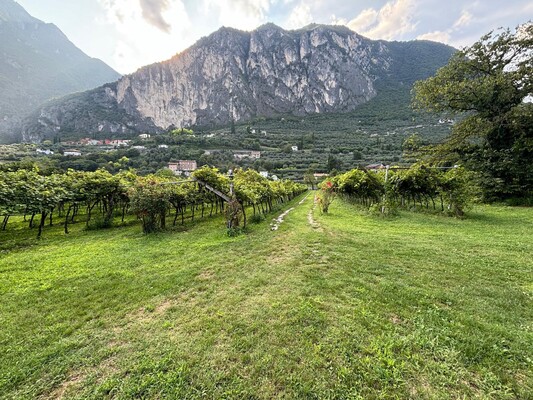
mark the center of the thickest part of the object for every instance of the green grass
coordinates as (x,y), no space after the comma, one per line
(418,306)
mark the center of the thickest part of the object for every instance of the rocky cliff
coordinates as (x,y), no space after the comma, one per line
(235,75)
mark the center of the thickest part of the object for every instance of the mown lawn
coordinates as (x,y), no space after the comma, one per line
(356,307)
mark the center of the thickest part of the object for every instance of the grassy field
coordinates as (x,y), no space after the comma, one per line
(344,306)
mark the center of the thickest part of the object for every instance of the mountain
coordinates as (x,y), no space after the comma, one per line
(37,63)
(235,76)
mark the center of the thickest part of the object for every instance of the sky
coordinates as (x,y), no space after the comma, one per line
(128,34)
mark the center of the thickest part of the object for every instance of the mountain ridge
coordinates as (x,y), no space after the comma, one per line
(234,75)
(38,62)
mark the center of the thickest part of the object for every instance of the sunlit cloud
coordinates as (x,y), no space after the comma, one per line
(300,16)
(435,36)
(364,20)
(392,21)
(152,11)
(239,14)
(144,35)
(445,36)
(464,20)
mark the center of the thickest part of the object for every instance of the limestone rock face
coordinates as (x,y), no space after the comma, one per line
(239,75)
(232,75)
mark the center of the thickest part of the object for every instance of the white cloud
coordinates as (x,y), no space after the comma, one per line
(300,16)
(364,20)
(152,11)
(144,31)
(240,14)
(436,36)
(392,21)
(464,20)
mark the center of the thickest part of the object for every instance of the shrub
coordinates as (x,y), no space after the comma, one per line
(257,218)
(326,195)
(150,201)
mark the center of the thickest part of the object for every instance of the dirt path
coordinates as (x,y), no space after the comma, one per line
(314,224)
(276,222)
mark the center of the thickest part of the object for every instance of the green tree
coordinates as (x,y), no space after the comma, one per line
(334,163)
(486,85)
(411,145)
(309,179)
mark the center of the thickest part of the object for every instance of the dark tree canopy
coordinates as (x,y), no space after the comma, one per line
(489,86)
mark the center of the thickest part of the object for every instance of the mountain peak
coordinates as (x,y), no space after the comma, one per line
(11,11)
(269,25)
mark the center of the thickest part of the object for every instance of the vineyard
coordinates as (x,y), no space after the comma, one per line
(421,187)
(99,197)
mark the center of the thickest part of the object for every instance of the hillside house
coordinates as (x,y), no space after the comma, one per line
(47,152)
(117,142)
(294,148)
(212,151)
(375,167)
(183,167)
(73,153)
(89,142)
(239,155)
(264,174)
(144,136)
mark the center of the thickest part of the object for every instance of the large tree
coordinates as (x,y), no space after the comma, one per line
(489,87)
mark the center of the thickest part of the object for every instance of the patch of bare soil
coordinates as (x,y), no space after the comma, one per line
(314,224)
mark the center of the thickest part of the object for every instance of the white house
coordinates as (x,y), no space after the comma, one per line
(163,146)
(294,148)
(145,136)
(183,167)
(375,167)
(73,153)
(264,174)
(121,142)
(139,147)
(239,155)
(48,152)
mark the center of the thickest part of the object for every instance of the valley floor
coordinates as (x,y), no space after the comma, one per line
(344,306)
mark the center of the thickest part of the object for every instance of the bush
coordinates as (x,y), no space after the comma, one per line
(150,201)
(99,222)
(257,218)
(234,232)
(326,195)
